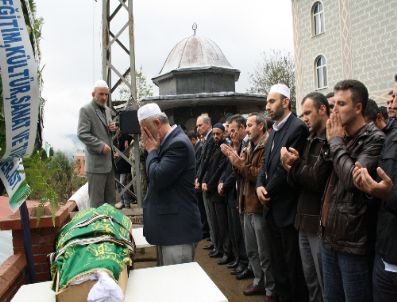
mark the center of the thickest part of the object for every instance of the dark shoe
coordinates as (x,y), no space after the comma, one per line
(215,254)
(252,290)
(270,299)
(238,270)
(208,247)
(246,274)
(225,260)
(233,264)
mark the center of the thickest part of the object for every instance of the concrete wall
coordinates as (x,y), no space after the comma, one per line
(192,82)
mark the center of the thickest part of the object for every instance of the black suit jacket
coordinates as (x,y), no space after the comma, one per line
(283,198)
(170,211)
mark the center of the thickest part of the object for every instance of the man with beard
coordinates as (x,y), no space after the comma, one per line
(310,173)
(345,215)
(256,234)
(216,166)
(95,128)
(279,198)
(229,184)
(171,218)
(385,188)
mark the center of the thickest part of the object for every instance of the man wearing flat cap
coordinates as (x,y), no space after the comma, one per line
(171,218)
(279,199)
(95,128)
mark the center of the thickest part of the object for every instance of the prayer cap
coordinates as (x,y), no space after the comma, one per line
(148,110)
(281,89)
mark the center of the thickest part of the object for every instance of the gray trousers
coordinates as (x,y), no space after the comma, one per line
(211,217)
(309,246)
(258,251)
(176,254)
(101,188)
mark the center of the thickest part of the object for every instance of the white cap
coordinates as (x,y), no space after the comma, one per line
(281,89)
(101,84)
(148,110)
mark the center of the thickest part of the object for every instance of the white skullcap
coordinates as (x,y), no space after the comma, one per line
(148,110)
(101,84)
(281,89)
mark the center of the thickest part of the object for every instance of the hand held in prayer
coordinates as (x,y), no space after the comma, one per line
(288,157)
(106,149)
(334,127)
(226,149)
(379,189)
(221,189)
(263,196)
(149,142)
(197,185)
(357,175)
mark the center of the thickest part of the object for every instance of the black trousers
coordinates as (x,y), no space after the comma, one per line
(222,229)
(384,282)
(236,234)
(203,215)
(286,263)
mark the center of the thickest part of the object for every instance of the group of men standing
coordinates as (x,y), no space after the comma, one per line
(293,204)
(307,196)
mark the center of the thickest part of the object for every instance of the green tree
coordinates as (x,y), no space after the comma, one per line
(52,179)
(39,177)
(274,67)
(143,87)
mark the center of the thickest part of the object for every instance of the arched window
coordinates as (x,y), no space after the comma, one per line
(321,72)
(318,18)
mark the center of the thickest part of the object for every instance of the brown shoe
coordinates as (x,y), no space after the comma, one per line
(270,299)
(254,290)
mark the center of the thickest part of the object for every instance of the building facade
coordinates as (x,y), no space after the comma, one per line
(345,39)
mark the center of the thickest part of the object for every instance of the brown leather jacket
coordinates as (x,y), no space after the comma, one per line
(345,216)
(310,173)
(249,171)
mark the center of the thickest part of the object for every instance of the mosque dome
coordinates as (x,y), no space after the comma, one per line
(196,65)
(195,52)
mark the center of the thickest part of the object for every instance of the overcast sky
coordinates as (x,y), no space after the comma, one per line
(71,45)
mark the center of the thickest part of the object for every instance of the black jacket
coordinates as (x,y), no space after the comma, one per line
(206,152)
(310,173)
(344,215)
(386,243)
(273,177)
(216,166)
(170,212)
(228,179)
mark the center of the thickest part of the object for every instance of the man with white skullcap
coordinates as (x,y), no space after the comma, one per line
(95,128)
(171,218)
(279,198)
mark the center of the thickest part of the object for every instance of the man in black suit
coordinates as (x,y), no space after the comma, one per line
(171,218)
(279,198)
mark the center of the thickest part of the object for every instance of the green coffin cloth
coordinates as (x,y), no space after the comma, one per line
(94,240)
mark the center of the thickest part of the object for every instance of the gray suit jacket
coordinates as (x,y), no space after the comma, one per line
(93,132)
